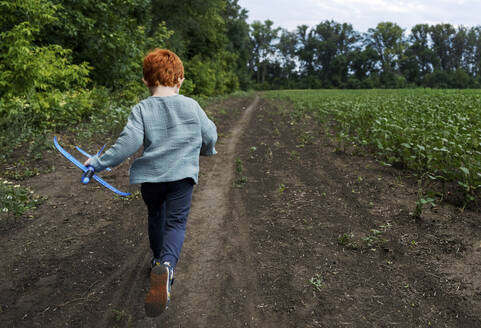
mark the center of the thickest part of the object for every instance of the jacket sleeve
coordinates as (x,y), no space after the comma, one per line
(209,134)
(129,141)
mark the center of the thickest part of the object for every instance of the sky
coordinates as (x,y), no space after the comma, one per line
(364,14)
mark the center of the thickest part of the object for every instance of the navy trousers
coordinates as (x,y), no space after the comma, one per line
(168,205)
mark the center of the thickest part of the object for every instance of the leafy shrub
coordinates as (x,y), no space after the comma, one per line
(38,84)
(212,76)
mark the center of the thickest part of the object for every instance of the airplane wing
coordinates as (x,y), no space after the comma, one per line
(84,168)
(107,185)
(83,152)
(68,156)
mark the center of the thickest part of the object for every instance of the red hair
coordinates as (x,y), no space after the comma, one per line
(162,67)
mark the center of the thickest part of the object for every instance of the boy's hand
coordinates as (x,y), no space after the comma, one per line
(87,162)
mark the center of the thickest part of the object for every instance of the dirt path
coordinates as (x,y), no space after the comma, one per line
(215,255)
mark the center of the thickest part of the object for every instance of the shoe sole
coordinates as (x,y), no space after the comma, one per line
(157,298)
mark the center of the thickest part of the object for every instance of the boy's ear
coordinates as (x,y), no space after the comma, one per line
(145,82)
(180,82)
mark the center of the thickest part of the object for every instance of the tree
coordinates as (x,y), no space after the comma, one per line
(306,50)
(418,59)
(287,50)
(202,28)
(331,54)
(459,48)
(364,63)
(472,56)
(238,39)
(387,39)
(262,37)
(442,36)
(111,35)
(334,43)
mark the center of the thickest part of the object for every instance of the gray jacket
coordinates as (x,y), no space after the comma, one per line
(174,131)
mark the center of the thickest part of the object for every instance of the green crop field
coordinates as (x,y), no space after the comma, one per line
(434,133)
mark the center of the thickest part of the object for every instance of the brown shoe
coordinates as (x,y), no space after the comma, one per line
(158,297)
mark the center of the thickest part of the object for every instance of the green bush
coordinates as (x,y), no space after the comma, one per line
(212,76)
(39,86)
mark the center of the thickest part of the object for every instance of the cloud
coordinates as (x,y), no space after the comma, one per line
(363,14)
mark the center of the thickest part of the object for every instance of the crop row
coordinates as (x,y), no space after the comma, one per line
(435,133)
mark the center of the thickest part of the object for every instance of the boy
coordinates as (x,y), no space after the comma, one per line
(174,131)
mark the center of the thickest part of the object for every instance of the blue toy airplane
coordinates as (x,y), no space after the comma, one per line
(89,171)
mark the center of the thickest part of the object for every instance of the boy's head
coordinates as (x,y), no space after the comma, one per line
(162,67)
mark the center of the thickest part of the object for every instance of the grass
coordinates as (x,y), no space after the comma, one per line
(15,200)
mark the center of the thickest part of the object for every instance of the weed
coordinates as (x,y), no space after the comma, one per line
(19,171)
(386,226)
(293,155)
(317,282)
(282,187)
(242,179)
(306,138)
(398,180)
(421,199)
(238,165)
(346,240)
(374,238)
(252,151)
(277,132)
(16,200)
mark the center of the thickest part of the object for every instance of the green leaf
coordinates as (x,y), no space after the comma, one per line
(465,170)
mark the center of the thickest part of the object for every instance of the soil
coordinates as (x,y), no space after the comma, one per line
(284,231)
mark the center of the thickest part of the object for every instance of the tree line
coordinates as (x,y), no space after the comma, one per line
(61,59)
(334,55)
